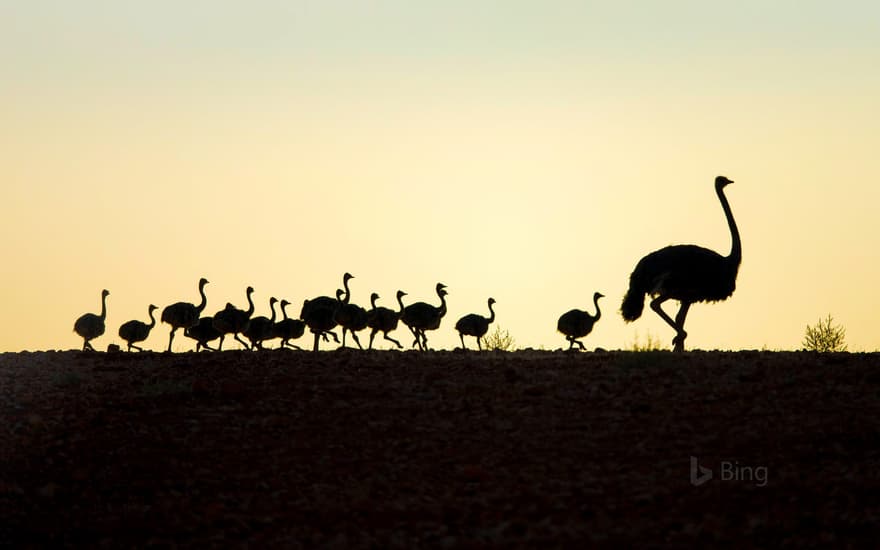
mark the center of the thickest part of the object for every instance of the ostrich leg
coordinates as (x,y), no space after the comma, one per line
(678,341)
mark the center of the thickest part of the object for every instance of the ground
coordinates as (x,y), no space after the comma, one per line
(384,449)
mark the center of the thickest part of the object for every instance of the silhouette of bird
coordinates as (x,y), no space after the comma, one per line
(475,325)
(287,328)
(232,320)
(422,316)
(137,331)
(383,319)
(91,325)
(262,328)
(184,314)
(351,317)
(203,332)
(686,273)
(319,314)
(577,323)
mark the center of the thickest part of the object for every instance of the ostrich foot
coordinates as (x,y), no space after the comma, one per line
(678,341)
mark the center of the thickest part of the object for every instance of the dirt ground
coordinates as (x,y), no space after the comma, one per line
(382,449)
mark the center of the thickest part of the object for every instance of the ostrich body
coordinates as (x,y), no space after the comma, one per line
(203,332)
(262,328)
(422,316)
(383,319)
(137,331)
(686,273)
(577,323)
(91,325)
(319,314)
(184,314)
(351,317)
(475,325)
(288,329)
(232,320)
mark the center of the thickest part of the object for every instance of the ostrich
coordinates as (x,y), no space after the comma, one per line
(422,316)
(475,325)
(203,332)
(351,317)
(90,325)
(184,314)
(319,314)
(232,320)
(383,319)
(137,331)
(288,329)
(686,273)
(577,323)
(262,328)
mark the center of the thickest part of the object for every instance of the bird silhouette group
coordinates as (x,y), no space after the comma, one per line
(685,273)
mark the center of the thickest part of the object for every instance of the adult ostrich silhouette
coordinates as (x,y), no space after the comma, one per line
(475,325)
(288,329)
(686,273)
(351,317)
(137,331)
(577,323)
(383,319)
(319,314)
(91,325)
(184,314)
(422,316)
(262,328)
(232,320)
(203,332)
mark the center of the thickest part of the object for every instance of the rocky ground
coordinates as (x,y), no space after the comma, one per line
(350,449)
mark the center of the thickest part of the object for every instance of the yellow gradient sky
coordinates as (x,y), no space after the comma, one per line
(529,151)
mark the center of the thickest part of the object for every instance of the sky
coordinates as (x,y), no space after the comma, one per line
(528,151)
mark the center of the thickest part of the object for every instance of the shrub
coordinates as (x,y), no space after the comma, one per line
(652,343)
(499,339)
(825,336)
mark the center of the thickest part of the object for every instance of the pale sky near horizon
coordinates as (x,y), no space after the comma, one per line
(528,151)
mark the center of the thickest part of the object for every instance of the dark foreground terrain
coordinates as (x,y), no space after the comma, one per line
(441,449)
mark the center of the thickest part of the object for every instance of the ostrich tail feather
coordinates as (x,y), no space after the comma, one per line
(634,300)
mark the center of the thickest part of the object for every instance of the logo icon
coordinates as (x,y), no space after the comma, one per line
(699,474)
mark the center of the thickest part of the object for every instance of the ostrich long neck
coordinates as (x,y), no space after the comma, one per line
(736,246)
(442,309)
(598,311)
(272,307)
(152,318)
(103,306)
(347,291)
(250,309)
(491,313)
(400,301)
(204,302)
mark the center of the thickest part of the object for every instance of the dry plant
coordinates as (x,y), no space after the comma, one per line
(499,339)
(651,343)
(825,336)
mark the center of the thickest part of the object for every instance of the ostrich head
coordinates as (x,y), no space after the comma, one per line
(491,301)
(598,295)
(105,293)
(348,276)
(373,297)
(202,282)
(721,182)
